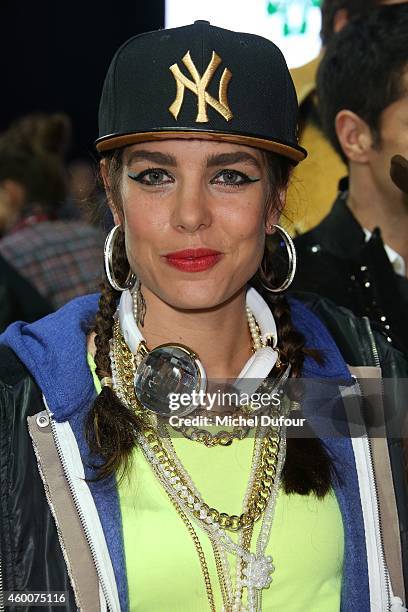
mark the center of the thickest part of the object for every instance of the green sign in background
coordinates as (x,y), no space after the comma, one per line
(294,14)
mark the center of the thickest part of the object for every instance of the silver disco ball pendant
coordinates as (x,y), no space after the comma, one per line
(168,372)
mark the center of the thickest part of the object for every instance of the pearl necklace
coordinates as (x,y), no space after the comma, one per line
(257,341)
(258,566)
(224,438)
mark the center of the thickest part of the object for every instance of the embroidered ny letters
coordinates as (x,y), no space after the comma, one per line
(199,86)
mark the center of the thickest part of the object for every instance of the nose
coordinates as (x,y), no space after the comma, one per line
(191,210)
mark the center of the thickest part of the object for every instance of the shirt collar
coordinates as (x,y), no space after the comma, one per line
(395,258)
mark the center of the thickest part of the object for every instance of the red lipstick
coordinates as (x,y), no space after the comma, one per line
(193,260)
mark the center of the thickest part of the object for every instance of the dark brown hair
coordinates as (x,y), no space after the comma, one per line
(111,427)
(32,154)
(363,70)
(354,8)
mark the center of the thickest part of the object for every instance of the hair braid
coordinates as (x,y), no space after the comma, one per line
(110,426)
(307,468)
(291,342)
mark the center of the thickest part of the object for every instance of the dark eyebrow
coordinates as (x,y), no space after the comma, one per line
(163,159)
(225,159)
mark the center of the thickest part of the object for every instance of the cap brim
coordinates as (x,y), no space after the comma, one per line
(112,141)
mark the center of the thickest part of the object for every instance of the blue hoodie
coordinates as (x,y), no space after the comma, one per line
(54,350)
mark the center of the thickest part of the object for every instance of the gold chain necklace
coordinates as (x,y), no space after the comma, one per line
(221,438)
(124,367)
(224,438)
(204,436)
(122,354)
(244,541)
(200,553)
(124,383)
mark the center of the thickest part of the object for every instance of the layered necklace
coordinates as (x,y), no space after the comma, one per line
(253,568)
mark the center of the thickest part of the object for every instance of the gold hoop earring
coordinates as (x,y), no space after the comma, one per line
(108,261)
(290,247)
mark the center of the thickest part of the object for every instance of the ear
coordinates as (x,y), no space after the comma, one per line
(274,212)
(117,217)
(103,166)
(341,18)
(354,136)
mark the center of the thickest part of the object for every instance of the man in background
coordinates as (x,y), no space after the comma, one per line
(315,181)
(357,255)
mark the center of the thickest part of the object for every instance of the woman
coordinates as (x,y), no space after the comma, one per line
(197,137)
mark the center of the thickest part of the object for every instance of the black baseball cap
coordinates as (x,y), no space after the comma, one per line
(200,80)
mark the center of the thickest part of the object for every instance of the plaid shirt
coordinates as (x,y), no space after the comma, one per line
(62,259)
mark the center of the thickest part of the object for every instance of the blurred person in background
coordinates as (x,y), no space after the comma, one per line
(358,254)
(315,183)
(83,181)
(59,257)
(85,199)
(32,169)
(19,300)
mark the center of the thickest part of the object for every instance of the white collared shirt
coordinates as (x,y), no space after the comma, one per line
(395,258)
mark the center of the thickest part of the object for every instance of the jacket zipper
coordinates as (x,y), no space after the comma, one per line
(380,548)
(374,350)
(376,359)
(377,518)
(78,507)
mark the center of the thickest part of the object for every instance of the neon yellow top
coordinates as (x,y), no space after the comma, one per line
(163,569)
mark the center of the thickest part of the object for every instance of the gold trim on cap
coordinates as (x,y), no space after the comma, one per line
(115,142)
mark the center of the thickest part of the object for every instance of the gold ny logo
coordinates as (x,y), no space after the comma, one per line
(199,87)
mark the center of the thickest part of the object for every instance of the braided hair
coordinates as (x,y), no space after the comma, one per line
(308,467)
(111,427)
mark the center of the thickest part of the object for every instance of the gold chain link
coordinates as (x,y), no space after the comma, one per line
(222,438)
(221,577)
(260,495)
(200,553)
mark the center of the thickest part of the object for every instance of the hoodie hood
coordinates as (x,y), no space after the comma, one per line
(54,351)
